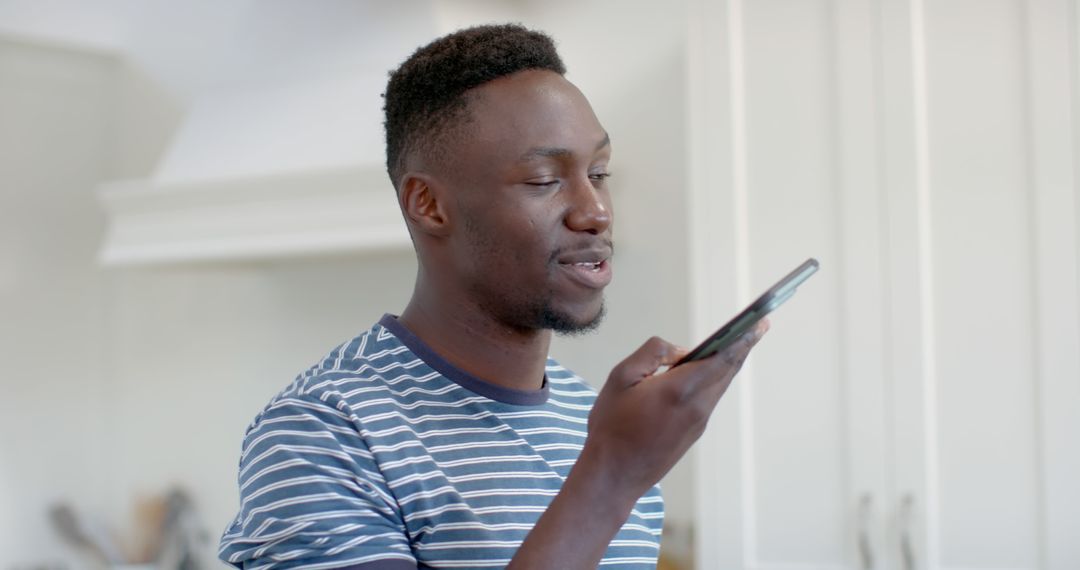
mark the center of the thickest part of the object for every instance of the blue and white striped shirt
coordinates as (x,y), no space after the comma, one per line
(384,455)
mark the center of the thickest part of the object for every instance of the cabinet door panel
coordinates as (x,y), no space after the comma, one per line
(981,274)
(924,152)
(793,464)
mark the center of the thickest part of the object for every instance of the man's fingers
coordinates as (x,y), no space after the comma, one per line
(646,360)
(657,352)
(719,368)
(734,356)
(762,327)
(730,362)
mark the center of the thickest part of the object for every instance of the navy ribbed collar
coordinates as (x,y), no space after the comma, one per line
(459,376)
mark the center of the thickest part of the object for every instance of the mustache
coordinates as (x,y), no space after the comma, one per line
(590,245)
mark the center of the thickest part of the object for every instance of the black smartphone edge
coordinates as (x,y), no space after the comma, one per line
(760,305)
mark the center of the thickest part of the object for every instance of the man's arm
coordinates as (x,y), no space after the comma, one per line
(641,425)
(312,494)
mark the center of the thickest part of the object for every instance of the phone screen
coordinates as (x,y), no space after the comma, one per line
(726,335)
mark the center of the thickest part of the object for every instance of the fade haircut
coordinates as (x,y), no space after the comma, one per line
(426,98)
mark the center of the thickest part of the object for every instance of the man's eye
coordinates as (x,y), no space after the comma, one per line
(542,183)
(599,176)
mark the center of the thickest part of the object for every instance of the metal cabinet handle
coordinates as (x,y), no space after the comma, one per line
(866,551)
(907,551)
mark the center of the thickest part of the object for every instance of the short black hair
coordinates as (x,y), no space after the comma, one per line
(427,95)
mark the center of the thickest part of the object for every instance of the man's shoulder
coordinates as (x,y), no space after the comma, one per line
(371,362)
(375,356)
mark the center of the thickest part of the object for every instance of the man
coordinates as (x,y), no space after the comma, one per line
(445,437)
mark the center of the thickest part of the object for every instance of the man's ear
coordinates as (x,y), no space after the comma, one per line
(423,201)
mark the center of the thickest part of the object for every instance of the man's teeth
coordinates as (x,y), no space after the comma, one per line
(588,264)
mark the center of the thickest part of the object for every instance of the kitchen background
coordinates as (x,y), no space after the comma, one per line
(193,209)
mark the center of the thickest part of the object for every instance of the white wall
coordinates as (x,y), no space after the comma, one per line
(54,142)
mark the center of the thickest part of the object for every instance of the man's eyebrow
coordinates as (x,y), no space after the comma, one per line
(558,152)
(605,142)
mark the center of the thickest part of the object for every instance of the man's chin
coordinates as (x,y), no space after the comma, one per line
(567,325)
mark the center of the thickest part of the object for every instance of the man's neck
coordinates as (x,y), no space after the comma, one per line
(478,344)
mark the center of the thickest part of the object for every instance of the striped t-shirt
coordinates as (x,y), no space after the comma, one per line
(385,456)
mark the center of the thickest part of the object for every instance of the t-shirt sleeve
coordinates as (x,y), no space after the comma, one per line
(311,495)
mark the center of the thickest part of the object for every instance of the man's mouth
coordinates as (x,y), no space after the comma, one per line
(592,274)
(593,265)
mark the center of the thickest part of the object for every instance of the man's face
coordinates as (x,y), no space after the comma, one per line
(533,242)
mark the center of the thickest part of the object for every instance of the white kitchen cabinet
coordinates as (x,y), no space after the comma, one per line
(917,404)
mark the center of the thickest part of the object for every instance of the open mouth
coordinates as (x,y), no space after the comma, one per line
(590,265)
(589,274)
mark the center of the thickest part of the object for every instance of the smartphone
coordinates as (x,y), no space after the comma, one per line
(744,321)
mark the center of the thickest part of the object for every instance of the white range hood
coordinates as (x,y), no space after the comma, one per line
(262,172)
(285,215)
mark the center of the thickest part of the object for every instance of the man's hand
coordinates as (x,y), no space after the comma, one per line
(641,425)
(643,422)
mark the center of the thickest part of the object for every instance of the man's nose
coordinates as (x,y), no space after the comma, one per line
(589,209)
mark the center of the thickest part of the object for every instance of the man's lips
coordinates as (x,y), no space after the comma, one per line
(590,269)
